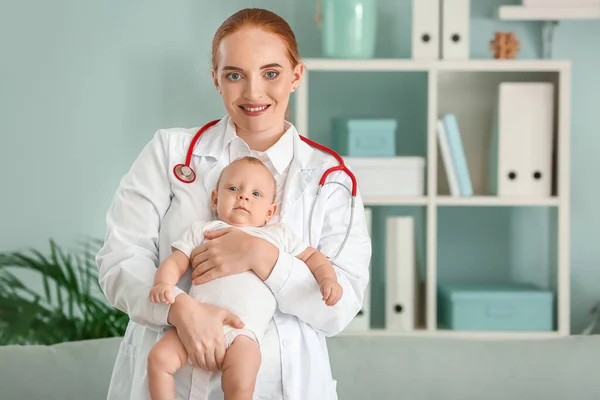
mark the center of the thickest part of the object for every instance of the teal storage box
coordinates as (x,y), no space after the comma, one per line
(364,137)
(510,307)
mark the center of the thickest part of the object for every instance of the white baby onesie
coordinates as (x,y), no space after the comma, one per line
(245,294)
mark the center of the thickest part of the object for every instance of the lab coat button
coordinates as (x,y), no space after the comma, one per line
(286,343)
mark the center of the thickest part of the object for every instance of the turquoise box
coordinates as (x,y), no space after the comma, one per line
(367,137)
(510,307)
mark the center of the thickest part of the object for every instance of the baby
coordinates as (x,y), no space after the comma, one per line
(244,198)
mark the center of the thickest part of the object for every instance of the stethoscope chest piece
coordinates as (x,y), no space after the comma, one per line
(184,173)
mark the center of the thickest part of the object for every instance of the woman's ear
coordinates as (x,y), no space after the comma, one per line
(216,80)
(297,76)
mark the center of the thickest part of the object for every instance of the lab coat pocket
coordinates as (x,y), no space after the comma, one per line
(123,372)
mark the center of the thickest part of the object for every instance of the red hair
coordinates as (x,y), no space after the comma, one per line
(257,18)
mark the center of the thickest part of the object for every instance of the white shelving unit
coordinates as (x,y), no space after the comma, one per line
(456,86)
(551,16)
(522,13)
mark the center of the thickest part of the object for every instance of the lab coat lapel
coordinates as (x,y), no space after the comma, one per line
(299,176)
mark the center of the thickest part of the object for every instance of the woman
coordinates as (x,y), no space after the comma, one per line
(256,67)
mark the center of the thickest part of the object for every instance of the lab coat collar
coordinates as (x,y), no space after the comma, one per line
(282,152)
(216,139)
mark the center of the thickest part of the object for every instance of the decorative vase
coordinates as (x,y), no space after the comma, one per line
(349,28)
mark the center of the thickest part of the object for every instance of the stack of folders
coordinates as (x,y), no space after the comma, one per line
(362,321)
(402,278)
(440,27)
(522,140)
(453,156)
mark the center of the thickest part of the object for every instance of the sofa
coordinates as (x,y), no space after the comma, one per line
(366,367)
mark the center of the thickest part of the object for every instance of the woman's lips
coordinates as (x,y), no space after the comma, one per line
(253,110)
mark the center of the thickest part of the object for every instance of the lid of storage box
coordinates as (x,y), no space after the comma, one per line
(385,162)
(364,124)
(492,291)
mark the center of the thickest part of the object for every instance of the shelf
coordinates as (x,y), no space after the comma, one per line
(496,201)
(383,64)
(394,201)
(521,13)
(490,201)
(456,334)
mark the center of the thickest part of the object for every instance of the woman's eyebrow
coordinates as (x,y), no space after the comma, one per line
(232,68)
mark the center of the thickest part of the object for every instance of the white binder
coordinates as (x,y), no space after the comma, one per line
(362,321)
(523,140)
(455,29)
(426,29)
(401,275)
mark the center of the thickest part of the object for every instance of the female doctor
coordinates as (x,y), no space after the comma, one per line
(256,66)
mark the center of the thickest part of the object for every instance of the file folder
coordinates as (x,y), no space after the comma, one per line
(455,29)
(401,275)
(522,140)
(426,29)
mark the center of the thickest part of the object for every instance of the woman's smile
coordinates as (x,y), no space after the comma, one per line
(253,110)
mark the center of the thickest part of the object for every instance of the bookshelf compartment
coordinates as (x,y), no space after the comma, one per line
(516,245)
(472,98)
(351,94)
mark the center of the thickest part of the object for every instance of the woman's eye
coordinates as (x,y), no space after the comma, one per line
(233,189)
(234,76)
(272,74)
(256,194)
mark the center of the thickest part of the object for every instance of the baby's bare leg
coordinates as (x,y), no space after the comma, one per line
(166,357)
(240,367)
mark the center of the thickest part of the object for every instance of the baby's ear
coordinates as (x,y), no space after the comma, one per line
(272,211)
(213,200)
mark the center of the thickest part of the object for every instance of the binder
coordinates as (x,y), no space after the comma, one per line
(457,155)
(447,159)
(401,278)
(426,29)
(455,29)
(362,321)
(522,140)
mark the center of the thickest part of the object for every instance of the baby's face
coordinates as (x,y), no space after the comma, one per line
(245,195)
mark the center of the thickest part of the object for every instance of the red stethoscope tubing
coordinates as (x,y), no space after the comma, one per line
(342,167)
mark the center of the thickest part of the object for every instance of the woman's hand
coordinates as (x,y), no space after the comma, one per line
(232,251)
(200,329)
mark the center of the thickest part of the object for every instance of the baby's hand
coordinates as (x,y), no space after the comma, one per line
(331,291)
(162,293)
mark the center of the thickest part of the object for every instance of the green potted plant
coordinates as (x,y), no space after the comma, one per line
(69,306)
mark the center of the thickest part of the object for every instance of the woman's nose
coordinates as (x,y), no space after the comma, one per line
(253,89)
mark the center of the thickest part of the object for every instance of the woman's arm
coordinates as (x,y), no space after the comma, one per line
(295,288)
(128,259)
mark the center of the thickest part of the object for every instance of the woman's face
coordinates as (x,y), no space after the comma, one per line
(255,78)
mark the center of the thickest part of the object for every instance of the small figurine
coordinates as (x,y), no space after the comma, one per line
(505,45)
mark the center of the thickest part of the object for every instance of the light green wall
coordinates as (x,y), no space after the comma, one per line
(84,85)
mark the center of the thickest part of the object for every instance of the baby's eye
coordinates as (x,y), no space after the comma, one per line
(256,194)
(272,74)
(233,189)
(234,76)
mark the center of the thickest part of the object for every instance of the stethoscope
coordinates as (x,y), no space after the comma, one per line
(186,174)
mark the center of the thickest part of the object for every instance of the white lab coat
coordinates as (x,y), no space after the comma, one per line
(152,208)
